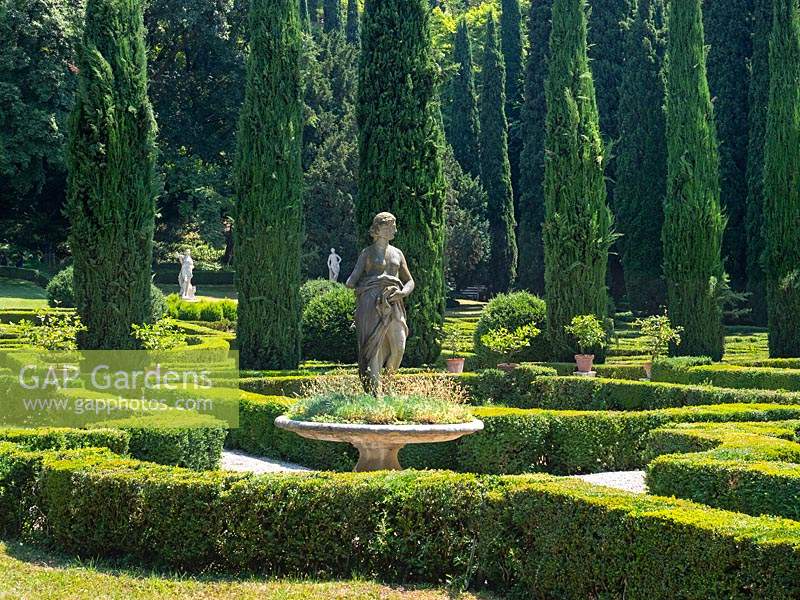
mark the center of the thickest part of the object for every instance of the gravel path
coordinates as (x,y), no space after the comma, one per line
(234,460)
(630,481)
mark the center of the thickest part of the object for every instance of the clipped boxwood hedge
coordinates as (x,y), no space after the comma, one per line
(38,277)
(168,274)
(589,393)
(513,441)
(730,376)
(65,438)
(748,467)
(511,534)
(178,438)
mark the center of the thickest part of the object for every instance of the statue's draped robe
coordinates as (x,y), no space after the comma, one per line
(374,316)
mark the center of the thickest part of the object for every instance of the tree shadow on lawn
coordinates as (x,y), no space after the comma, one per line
(48,571)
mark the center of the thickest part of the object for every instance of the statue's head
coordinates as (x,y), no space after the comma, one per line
(333,250)
(384,225)
(187,252)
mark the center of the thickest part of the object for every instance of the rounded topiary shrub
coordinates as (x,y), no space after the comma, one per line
(316,287)
(328,327)
(158,304)
(513,311)
(60,289)
(61,293)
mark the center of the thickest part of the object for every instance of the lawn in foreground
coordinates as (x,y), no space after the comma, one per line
(27,572)
(18,293)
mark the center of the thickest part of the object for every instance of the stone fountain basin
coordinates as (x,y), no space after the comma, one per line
(378,445)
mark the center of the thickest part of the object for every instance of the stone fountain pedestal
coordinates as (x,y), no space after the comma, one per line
(378,445)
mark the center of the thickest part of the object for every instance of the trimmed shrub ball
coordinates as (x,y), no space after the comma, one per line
(60,289)
(329,331)
(513,311)
(316,287)
(61,293)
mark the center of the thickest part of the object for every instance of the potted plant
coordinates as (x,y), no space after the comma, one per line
(658,333)
(509,343)
(454,342)
(589,332)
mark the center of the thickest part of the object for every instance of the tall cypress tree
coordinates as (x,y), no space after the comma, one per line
(353,30)
(111,161)
(577,227)
(693,221)
(400,167)
(332,15)
(495,168)
(511,46)
(606,51)
(464,129)
(728,31)
(782,182)
(305,18)
(641,163)
(759,98)
(269,179)
(313,10)
(530,270)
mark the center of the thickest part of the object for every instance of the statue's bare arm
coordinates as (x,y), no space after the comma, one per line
(352,281)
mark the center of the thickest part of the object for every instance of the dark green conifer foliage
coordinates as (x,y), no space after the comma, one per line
(530,270)
(332,15)
(269,178)
(511,46)
(641,163)
(353,30)
(759,98)
(495,168)
(313,10)
(464,129)
(577,227)
(728,31)
(400,166)
(111,160)
(782,182)
(606,51)
(693,221)
(305,18)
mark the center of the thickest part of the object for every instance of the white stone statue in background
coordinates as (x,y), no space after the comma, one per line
(334,264)
(185,276)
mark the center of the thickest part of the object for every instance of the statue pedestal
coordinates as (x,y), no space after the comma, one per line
(585,373)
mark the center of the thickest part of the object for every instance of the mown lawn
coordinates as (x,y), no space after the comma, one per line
(27,572)
(18,293)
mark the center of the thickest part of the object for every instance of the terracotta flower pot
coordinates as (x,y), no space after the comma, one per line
(507,367)
(455,365)
(648,369)
(584,362)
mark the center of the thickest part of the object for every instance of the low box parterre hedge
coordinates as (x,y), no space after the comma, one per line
(747,467)
(177,438)
(594,393)
(730,376)
(532,536)
(513,441)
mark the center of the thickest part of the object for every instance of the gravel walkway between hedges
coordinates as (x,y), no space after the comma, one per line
(234,460)
(630,481)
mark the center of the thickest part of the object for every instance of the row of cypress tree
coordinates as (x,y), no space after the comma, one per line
(112,214)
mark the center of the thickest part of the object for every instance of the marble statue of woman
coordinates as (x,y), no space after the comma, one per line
(334,265)
(381,279)
(185,276)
